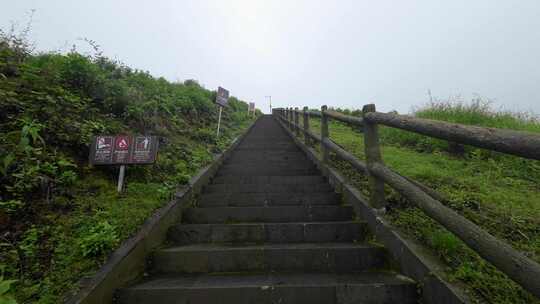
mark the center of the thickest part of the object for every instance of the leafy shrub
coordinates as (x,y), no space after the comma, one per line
(11,206)
(6,289)
(51,106)
(98,239)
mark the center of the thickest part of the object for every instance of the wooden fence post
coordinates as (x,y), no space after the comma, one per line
(293,117)
(306,126)
(324,134)
(373,155)
(297,121)
(292,120)
(289,118)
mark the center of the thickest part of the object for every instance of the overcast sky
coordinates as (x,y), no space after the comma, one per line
(340,53)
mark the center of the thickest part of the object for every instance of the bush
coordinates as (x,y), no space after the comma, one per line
(98,239)
(51,106)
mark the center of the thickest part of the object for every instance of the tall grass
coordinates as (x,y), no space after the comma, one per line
(498,192)
(478,112)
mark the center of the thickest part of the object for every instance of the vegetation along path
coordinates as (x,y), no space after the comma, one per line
(270,229)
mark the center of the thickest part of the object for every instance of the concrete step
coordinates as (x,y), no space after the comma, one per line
(297,288)
(256,148)
(268,166)
(305,257)
(273,140)
(268,188)
(265,163)
(281,214)
(269,153)
(280,146)
(269,179)
(268,171)
(269,229)
(268,199)
(265,154)
(299,232)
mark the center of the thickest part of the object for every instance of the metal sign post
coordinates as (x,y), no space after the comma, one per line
(121,178)
(270,103)
(219,121)
(222,98)
(251,108)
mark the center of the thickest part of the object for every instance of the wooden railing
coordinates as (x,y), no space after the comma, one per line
(517,266)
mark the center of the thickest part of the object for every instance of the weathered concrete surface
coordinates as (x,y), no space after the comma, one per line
(304,257)
(269,188)
(270,229)
(268,214)
(267,199)
(274,180)
(312,288)
(289,232)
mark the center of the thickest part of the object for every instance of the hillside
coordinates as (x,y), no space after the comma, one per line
(498,192)
(59,217)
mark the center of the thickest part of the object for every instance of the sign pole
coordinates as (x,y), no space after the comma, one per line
(219,121)
(121,178)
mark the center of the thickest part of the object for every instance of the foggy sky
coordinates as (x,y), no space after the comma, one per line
(340,53)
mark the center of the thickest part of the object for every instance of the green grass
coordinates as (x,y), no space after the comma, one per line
(82,238)
(500,193)
(73,239)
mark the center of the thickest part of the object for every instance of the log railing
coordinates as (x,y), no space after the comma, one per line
(514,264)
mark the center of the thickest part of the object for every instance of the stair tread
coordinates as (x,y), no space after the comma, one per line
(269,179)
(341,222)
(268,214)
(272,207)
(270,279)
(276,246)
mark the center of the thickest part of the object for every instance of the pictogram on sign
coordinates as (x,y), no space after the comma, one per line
(123,149)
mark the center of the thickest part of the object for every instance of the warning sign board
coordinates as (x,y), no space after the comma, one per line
(145,150)
(103,150)
(222,97)
(123,149)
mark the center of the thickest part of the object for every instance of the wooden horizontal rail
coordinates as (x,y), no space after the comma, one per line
(314,114)
(514,264)
(357,121)
(308,132)
(314,136)
(310,113)
(524,144)
(340,152)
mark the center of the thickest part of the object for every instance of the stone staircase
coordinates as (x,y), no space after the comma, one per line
(269,229)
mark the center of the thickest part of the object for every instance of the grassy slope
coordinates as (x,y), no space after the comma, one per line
(499,193)
(60,218)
